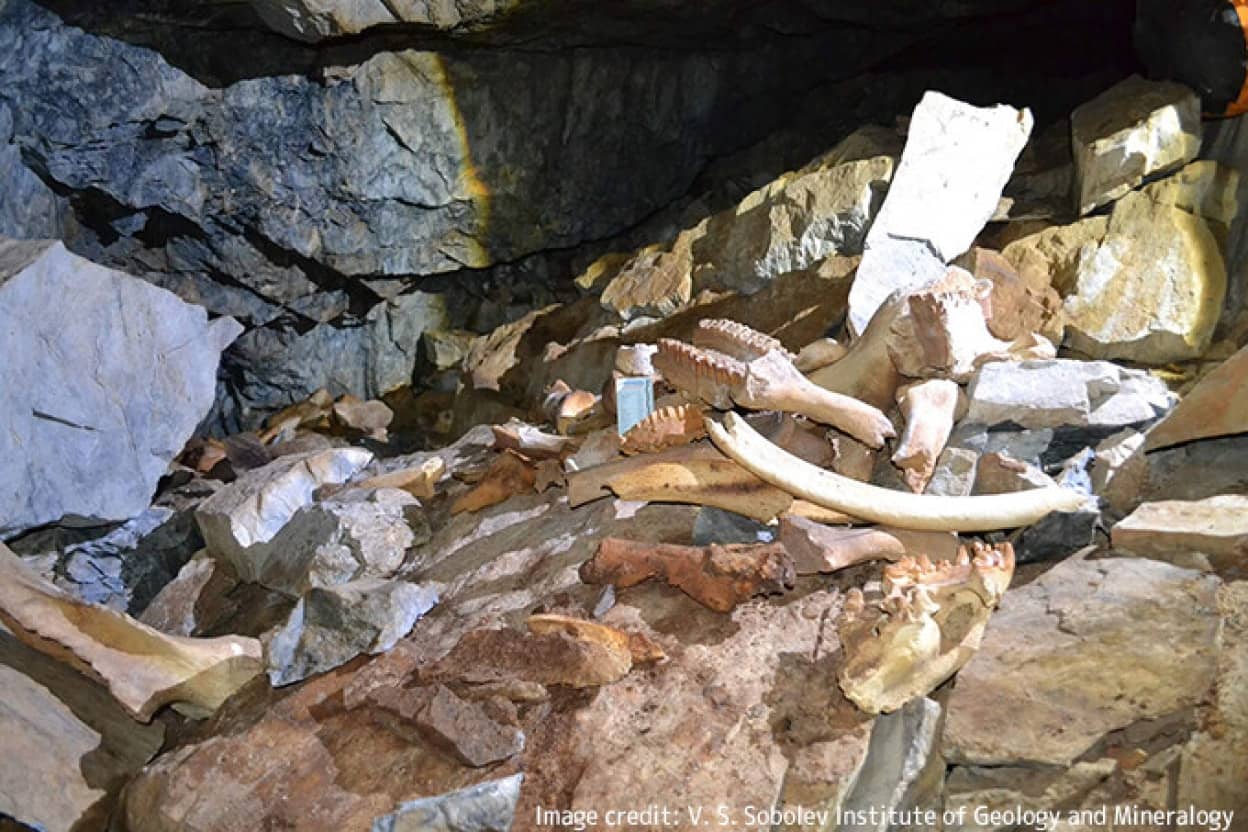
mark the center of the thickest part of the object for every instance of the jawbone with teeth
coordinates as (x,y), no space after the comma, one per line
(927,623)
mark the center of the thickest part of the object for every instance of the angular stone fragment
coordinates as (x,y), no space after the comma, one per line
(486,807)
(1217,527)
(1089,647)
(115,375)
(1120,470)
(143,668)
(999,473)
(176,609)
(718,577)
(1020,301)
(954,474)
(553,658)
(956,163)
(903,770)
(1216,406)
(1064,392)
(330,626)
(1135,129)
(1152,291)
(241,521)
(463,728)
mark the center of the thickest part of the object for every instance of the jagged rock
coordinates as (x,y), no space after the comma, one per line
(116,381)
(124,568)
(68,747)
(1217,527)
(29,209)
(358,418)
(1152,291)
(999,473)
(464,728)
(448,348)
(1021,301)
(240,522)
(313,21)
(1053,255)
(1120,470)
(1089,647)
(268,369)
(715,525)
(954,474)
(143,668)
(332,625)
(1216,406)
(486,807)
(185,606)
(1064,392)
(1135,129)
(1059,534)
(903,772)
(956,162)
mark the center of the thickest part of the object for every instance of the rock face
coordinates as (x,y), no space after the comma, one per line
(332,625)
(317,20)
(1134,130)
(114,384)
(956,163)
(1089,648)
(1063,392)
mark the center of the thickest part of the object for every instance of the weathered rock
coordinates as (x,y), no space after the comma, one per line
(715,525)
(903,772)
(447,348)
(1052,255)
(956,162)
(1120,470)
(143,668)
(999,473)
(124,568)
(1133,130)
(486,807)
(186,605)
(1217,527)
(332,625)
(464,728)
(1152,291)
(240,522)
(954,474)
(1088,648)
(1059,534)
(115,382)
(552,658)
(29,209)
(508,475)
(1064,392)
(1216,406)
(269,368)
(69,747)
(313,21)
(1020,302)
(984,795)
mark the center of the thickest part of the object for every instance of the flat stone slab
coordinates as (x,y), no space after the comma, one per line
(1217,527)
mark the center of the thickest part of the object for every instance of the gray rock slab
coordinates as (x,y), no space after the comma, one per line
(105,378)
(955,165)
(330,626)
(486,807)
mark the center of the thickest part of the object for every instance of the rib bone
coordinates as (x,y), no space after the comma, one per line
(881,505)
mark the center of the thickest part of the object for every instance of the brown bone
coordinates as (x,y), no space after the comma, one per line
(718,577)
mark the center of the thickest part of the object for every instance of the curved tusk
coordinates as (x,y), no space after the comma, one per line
(882,505)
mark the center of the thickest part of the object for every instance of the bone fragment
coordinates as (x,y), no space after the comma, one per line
(929,409)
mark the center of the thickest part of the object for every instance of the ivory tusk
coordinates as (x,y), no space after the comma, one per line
(881,505)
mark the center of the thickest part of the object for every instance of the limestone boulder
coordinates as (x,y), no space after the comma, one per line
(1151,292)
(114,375)
(1176,529)
(1065,392)
(955,165)
(1135,129)
(1088,648)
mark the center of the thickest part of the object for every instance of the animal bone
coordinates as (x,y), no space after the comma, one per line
(817,548)
(929,408)
(928,623)
(142,668)
(868,502)
(508,475)
(530,441)
(736,340)
(867,372)
(696,475)
(420,481)
(702,375)
(819,354)
(667,427)
(717,577)
(769,382)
